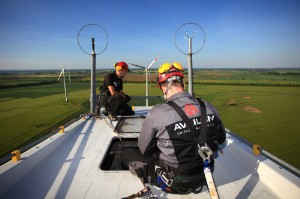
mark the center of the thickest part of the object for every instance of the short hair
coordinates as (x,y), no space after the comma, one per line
(175,83)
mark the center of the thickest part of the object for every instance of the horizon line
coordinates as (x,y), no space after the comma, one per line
(197,68)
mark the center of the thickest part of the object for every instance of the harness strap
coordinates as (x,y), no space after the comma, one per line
(144,192)
(204,151)
(203,120)
(202,136)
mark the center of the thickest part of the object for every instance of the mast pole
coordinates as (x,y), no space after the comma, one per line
(190,66)
(93,78)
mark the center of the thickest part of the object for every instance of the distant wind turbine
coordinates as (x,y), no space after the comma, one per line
(147,73)
(62,73)
(69,73)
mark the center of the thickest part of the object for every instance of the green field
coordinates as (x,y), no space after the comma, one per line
(31,112)
(266,115)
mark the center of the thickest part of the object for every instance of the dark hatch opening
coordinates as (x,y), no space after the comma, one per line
(112,159)
(125,125)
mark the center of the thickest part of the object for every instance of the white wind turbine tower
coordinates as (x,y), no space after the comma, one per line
(147,73)
(69,73)
(62,73)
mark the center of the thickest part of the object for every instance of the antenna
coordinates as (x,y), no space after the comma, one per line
(147,72)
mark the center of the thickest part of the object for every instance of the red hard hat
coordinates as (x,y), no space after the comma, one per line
(120,65)
(170,72)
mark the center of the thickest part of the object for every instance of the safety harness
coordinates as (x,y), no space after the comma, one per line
(203,150)
(166,178)
(200,140)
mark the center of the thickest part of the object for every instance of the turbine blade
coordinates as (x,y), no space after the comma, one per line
(153,61)
(137,65)
(61,73)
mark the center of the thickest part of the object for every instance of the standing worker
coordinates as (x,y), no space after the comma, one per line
(111,93)
(167,141)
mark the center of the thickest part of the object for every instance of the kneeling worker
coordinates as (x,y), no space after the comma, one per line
(112,95)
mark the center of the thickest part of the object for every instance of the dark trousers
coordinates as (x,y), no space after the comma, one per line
(182,184)
(142,166)
(117,105)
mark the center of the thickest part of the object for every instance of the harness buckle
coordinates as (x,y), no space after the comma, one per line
(161,183)
(163,179)
(166,180)
(205,152)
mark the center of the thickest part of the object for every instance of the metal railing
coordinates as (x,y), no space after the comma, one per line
(141,100)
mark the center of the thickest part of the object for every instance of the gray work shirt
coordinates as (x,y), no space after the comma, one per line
(164,133)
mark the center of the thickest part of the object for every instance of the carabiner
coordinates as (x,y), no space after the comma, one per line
(205,152)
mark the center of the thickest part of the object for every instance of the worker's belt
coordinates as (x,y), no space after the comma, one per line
(169,177)
(170,182)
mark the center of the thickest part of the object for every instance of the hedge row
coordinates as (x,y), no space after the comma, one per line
(27,84)
(249,84)
(196,82)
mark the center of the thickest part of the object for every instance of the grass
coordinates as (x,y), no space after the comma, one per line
(266,115)
(28,113)
(271,121)
(248,76)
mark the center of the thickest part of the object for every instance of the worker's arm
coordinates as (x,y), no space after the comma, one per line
(114,92)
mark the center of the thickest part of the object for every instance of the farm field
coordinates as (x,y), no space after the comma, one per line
(266,114)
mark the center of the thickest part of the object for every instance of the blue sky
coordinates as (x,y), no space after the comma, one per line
(39,34)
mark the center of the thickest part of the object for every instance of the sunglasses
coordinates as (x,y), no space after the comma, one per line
(167,66)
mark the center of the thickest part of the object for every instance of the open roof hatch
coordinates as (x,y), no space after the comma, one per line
(129,124)
(128,129)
